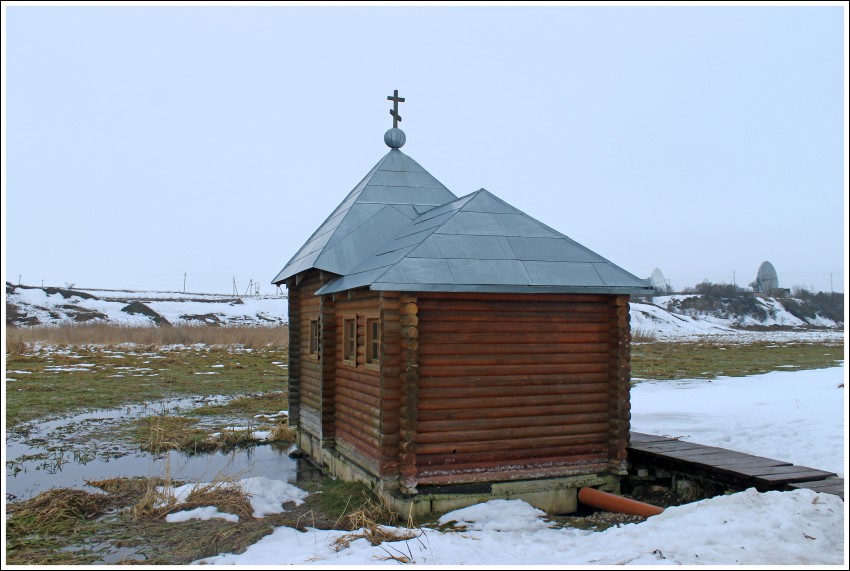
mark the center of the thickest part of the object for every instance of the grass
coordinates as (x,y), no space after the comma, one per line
(20,339)
(74,527)
(52,381)
(677,360)
(130,515)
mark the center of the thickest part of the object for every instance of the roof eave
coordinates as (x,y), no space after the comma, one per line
(497,288)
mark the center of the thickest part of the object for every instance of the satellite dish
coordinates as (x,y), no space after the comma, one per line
(657,280)
(766,280)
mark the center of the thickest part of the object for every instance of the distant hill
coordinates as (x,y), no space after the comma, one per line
(673,316)
(30,306)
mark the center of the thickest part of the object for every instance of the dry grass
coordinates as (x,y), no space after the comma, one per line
(283,433)
(364,520)
(643,335)
(56,510)
(20,340)
(224,494)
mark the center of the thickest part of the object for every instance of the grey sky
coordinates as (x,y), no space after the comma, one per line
(145,142)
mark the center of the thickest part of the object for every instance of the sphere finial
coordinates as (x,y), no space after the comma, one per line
(395,138)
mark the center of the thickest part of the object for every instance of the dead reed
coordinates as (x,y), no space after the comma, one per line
(19,340)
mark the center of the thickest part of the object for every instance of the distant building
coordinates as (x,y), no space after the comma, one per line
(449,350)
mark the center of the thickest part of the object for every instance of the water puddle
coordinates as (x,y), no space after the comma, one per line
(69,451)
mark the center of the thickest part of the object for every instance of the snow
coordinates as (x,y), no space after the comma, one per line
(177,308)
(203,514)
(747,528)
(267,496)
(795,416)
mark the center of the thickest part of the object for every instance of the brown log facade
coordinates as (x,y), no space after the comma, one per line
(468,387)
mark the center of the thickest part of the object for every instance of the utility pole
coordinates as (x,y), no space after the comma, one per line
(184,282)
(734,283)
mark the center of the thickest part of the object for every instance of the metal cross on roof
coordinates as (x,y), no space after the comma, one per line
(394,111)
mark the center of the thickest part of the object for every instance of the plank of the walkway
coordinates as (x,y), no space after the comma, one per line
(639,437)
(670,446)
(831,486)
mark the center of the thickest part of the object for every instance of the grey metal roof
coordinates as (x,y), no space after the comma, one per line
(479,243)
(394,192)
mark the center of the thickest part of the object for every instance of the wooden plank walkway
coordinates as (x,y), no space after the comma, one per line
(729,467)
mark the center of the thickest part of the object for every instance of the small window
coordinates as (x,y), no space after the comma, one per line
(314,337)
(373,341)
(349,341)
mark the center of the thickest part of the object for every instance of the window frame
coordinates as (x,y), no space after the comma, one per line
(314,347)
(349,340)
(373,343)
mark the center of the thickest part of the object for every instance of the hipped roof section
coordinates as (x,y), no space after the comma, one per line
(400,229)
(479,243)
(395,192)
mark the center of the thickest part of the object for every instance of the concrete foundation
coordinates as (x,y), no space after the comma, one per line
(552,495)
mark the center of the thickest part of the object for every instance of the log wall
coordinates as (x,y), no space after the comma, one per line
(515,386)
(357,395)
(309,369)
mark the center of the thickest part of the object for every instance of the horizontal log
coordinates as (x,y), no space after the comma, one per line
(506,475)
(543,315)
(368,434)
(509,422)
(554,390)
(507,412)
(515,359)
(354,385)
(513,338)
(516,379)
(442,298)
(358,396)
(510,444)
(498,466)
(408,309)
(494,369)
(430,327)
(360,375)
(500,402)
(499,434)
(356,441)
(370,305)
(479,349)
(510,455)
(356,416)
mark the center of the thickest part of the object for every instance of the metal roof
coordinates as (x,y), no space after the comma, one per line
(479,243)
(395,191)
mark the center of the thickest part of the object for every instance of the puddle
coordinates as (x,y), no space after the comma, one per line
(66,452)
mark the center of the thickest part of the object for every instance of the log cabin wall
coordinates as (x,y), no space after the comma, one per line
(357,394)
(306,381)
(620,368)
(514,386)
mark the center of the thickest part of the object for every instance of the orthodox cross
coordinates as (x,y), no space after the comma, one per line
(394,111)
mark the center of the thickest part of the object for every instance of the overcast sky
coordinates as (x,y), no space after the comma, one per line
(147,142)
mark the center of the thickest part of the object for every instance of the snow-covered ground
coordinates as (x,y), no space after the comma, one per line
(653,319)
(795,416)
(49,307)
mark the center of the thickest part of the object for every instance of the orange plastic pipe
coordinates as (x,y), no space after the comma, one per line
(613,503)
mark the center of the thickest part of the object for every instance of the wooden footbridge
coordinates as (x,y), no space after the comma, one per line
(727,468)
